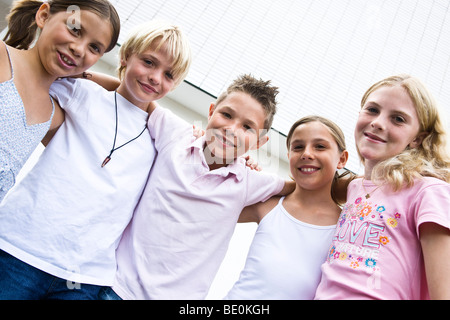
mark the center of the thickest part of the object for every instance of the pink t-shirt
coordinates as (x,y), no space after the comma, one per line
(376,251)
(181,228)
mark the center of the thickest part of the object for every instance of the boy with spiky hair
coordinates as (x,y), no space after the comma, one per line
(196,191)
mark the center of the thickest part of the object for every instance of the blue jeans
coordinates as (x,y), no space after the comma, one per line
(106,293)
(20,281)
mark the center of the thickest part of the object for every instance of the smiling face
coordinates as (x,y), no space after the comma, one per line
(234,127)
(387,125)
(69,44)
(314,156)
(147,77)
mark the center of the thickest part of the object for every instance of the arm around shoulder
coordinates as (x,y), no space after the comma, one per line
(108,82)
(289,187)
(257,211)
(57,121)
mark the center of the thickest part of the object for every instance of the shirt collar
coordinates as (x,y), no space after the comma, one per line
(237,168)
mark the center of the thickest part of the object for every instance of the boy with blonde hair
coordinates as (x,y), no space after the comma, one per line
(159,35)
(196,191)
(61,225)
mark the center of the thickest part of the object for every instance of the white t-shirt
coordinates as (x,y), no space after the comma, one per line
(284,259)
(181,228)
(67,215)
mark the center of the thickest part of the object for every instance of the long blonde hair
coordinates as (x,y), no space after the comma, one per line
(431,158)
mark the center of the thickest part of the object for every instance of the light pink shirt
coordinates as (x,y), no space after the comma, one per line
(376,252)
(181,228)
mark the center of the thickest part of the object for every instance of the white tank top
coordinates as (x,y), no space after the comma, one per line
(285,258)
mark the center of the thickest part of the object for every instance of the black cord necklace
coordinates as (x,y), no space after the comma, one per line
(108,158)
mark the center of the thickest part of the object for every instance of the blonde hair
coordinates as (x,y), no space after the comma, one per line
(260,90)
(22,27)
(158,34)
(431,158)
(339,138)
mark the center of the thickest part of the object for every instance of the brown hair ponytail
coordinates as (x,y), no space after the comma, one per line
(22,26)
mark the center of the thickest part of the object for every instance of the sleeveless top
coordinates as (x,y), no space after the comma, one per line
(17,139)
(284,259)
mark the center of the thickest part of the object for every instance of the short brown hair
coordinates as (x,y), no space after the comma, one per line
(260,90)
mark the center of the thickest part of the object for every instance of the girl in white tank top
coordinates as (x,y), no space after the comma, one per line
(295,233)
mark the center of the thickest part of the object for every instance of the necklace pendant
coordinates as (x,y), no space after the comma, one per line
(367,196)
(105,162)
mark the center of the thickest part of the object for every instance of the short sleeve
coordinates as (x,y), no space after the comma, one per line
(432,204)
(66,91)
(262,186)
(165,127)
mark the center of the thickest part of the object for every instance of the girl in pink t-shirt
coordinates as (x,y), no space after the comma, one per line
(393,237)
